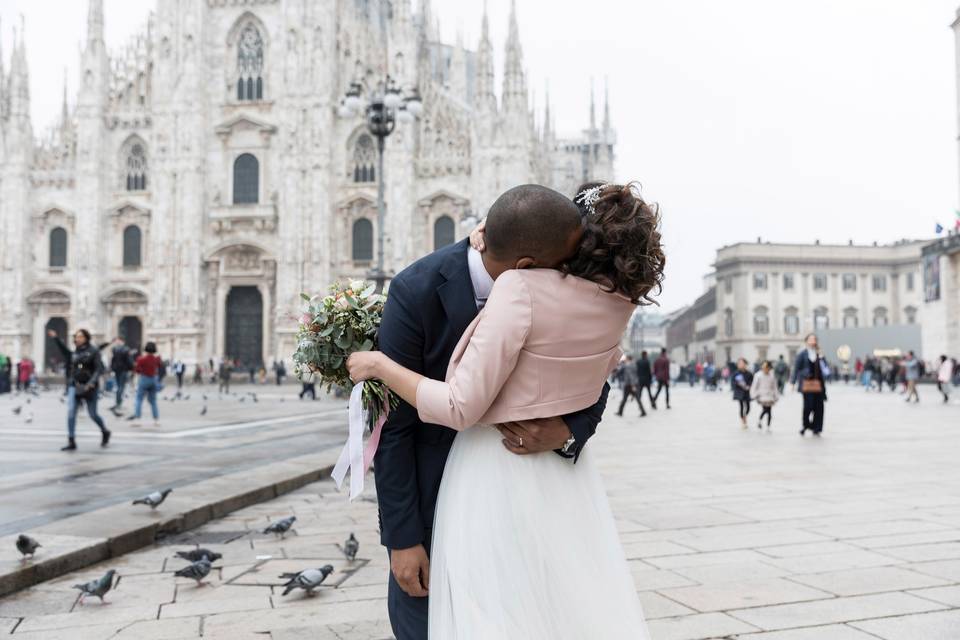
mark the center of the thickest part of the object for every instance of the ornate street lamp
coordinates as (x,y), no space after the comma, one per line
(385,106)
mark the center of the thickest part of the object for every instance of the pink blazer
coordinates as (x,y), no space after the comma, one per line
(542,346)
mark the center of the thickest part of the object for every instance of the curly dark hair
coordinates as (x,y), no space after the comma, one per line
(621,248)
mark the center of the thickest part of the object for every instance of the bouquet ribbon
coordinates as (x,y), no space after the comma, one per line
(353,456)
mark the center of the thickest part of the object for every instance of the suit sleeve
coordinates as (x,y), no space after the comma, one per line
(583,424)
(487,361)
(395,463)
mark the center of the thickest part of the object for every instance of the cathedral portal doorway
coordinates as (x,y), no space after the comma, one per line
(131,330)
(244,331)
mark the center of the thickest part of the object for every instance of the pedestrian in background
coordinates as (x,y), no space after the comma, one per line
(223,376)
(630,385)
(661,372)
(645,378)
(6,368)
(198,374)
(84,368)
(911,374)
(179,370)
(148,368)
(782,371)
(25,369)
(810,374)
(765,390)
(309,385)
(742,381)
(121,363)
(944,377)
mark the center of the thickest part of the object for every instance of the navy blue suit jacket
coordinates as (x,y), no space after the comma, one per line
(430,304)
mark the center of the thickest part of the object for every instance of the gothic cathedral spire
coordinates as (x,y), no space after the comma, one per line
(486,100)
(95,23)
(514,83)
(606,104)
(19,83)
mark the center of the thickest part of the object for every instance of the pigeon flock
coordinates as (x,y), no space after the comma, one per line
(201,561)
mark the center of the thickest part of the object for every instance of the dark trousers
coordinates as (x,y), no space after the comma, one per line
(744,407)
(121,380)
(408,615)
(309,387)
(813,412)
(630,390)
(665,385)
(767,411)
(641,387)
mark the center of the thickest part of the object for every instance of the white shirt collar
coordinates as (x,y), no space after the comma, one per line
(482,282)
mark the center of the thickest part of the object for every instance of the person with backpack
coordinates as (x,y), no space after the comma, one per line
(121,363)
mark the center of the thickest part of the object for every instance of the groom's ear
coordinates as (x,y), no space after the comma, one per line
(526,263)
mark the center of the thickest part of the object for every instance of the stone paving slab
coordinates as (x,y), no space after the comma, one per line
(774,537)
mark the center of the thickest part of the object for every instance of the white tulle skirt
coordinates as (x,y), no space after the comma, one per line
(526,547)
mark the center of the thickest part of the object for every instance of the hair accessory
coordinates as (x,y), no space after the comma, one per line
(589,197)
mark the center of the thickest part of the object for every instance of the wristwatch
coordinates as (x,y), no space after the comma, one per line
(568,446)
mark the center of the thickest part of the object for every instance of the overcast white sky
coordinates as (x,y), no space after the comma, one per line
(788,120)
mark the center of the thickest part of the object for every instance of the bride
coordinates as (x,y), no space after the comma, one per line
(526,546)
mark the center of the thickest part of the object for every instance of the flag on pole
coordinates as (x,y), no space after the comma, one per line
(939,228)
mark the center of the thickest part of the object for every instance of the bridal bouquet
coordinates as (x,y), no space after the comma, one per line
(332,327)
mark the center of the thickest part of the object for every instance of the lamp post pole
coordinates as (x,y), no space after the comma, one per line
(385,107)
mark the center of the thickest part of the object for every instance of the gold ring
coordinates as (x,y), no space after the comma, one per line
(521,443)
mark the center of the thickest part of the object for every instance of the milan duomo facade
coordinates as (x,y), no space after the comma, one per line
(203,178)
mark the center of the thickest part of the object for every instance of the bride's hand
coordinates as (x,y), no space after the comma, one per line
(477,236)
(362,365)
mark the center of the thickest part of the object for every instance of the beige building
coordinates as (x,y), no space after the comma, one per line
(769,296)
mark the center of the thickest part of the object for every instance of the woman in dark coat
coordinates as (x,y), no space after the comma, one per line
(742,381)
(84,368)
(810,375)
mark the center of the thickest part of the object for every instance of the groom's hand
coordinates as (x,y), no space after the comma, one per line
(411,569)
(534,436)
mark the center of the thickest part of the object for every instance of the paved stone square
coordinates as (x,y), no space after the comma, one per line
(249,427)
(730,534)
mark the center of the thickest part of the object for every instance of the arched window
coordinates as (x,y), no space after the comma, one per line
(880,317)
(791,321)
(728,322)
(761,321)
(136,175)
(58,247)
(246,179)
(910,313)
(250,64)
(364,159)
(443,232)
(850,319)
(362,240)
(821,318)
(132,246)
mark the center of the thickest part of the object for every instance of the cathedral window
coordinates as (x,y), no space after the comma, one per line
(443,232)
(136,175)
(362,240)
(132,246)
(250,64)
(364,159)
(58,248)
(246,179)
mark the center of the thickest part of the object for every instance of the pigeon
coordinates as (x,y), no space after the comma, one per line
(242,398)
(307,580)
(17,410)
(197,554)
(27,545)
(351,547)
(195,570)
(186,397)
(203,411)
(98,587)
(254,396)
(29,419)
(204,397)
(155,499)
(281,526)
(62,401)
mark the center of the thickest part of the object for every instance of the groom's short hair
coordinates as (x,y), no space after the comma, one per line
(531,221)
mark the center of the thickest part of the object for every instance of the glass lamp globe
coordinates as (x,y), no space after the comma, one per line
(404,116)
(352,101)
(392,99)
(344,111)
(414,106)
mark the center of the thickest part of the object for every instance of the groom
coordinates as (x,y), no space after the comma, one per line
(430,305)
